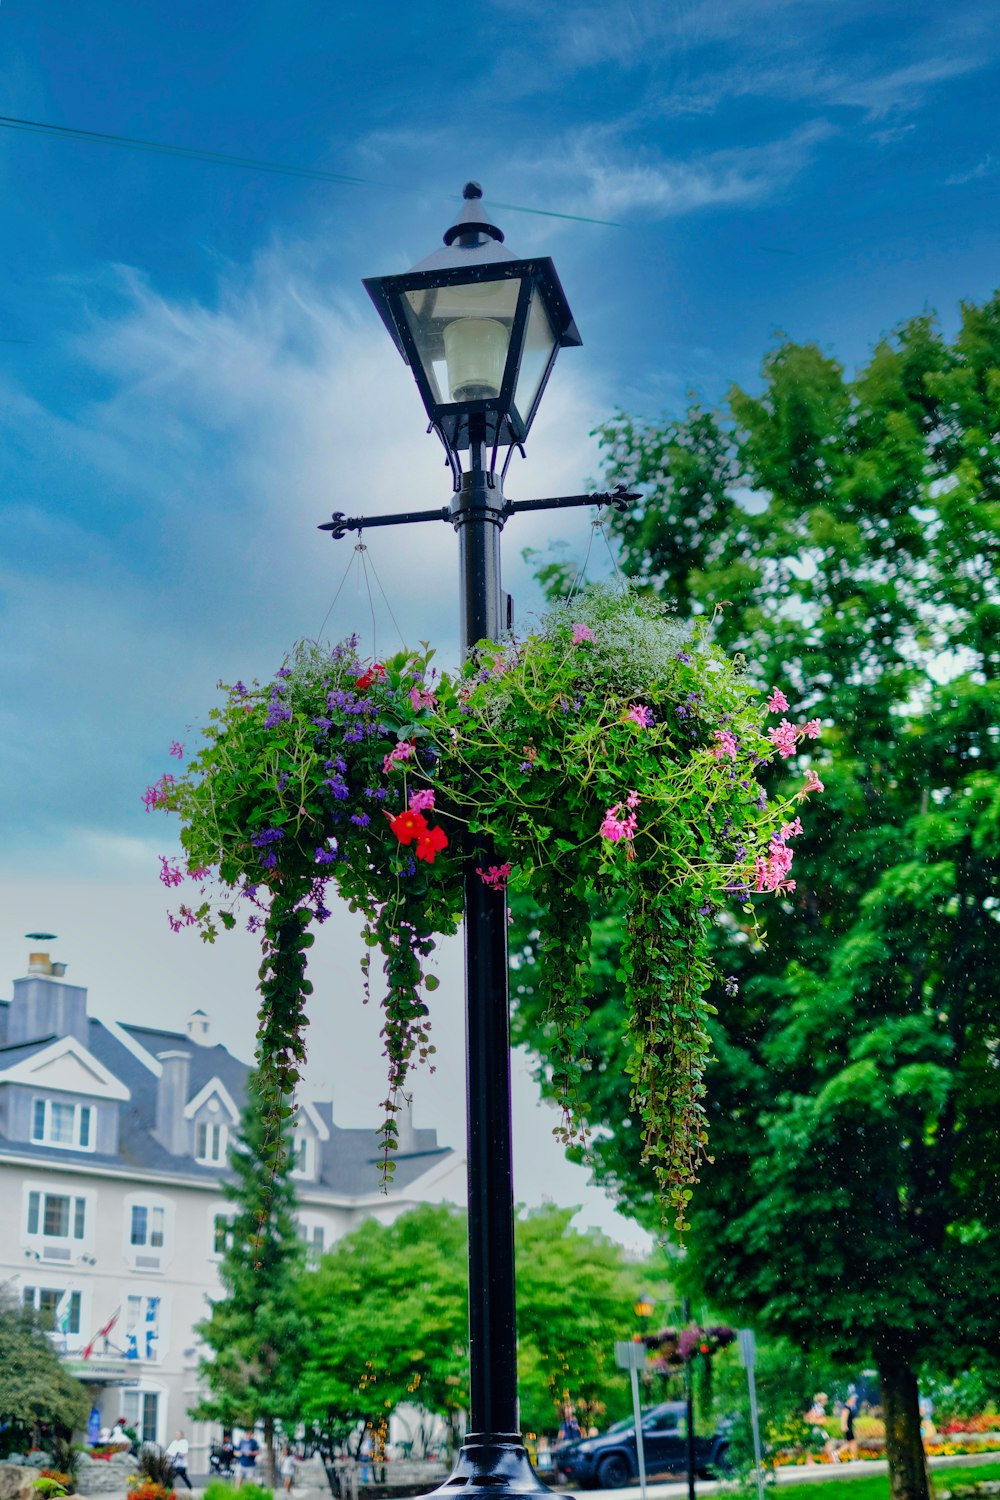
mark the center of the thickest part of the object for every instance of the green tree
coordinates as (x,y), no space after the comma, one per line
(36,1390)
(255,1330)
(388,1320)
(845,533)
(387,1313)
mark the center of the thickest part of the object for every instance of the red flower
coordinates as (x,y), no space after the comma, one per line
(376,672)
(408,826)
(430,843)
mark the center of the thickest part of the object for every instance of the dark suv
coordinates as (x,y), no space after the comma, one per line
(608,1462)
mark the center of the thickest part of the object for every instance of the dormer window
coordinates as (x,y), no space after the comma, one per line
(303,1155)
(70,1126)
(211,1137)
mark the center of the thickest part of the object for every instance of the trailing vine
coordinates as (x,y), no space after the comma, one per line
(612,750)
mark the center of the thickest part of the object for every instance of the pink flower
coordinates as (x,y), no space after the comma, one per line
(170,874)
(177,749)
(617,826)
(400,752)
(770,872)
(632,800)
(725,744)
(791,830)
(813,729)
(777,703)
(812,783)
(156,795)
(784,738)
(640,715)
(496,876)
(421,699)
(422,801)
(582,633)
(200,872)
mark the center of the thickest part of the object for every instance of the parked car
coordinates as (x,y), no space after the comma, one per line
(610,1461)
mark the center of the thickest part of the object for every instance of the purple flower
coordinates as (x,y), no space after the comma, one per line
(269,861)
(277,713)
(323,723)
(283,780)
(731,985)
(283,672)
(353,736)
(266,836)
(325,856)
(360,819)
(240,690)
(684,657)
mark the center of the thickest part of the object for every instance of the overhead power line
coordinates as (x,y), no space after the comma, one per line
(251,163)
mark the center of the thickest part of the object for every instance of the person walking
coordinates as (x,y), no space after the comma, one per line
(246,1457)
(286,1468)
(850,1411)
(177,1456)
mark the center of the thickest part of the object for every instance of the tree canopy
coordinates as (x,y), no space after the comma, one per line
(845,533)
(36,1390)
(388,1321)
(255,1330)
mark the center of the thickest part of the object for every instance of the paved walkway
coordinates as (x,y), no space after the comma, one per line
(675,1489)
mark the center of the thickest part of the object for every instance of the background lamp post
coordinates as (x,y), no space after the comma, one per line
(480,330)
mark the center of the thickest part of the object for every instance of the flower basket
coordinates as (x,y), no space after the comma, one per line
(612,753)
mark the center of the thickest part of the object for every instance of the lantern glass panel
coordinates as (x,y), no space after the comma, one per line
(462,334)
(539,343)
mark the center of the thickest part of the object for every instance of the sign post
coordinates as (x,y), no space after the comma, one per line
(631,1356)
(748,1353)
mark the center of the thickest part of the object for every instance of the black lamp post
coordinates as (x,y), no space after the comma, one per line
(480,330)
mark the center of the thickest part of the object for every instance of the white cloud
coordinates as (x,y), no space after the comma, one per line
(987,167)
(221,437)
(624,184)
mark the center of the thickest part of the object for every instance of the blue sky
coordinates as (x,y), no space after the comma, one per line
(195,377)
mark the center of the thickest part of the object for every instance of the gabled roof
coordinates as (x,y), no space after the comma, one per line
(63,1065)
(350,1159)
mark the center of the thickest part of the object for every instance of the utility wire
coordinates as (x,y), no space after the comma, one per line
(282,169)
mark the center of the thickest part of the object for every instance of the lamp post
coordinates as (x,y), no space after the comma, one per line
(480,331)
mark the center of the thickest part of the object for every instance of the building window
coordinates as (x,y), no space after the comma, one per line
(58,1310)
(313,1236)
(210,1142)
(141,1410)
(66,1125)
(52,1216)
(142,1327)
(148,1226)
(303,1154)
(222,1234)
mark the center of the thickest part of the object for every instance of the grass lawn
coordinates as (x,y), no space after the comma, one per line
(876,1486)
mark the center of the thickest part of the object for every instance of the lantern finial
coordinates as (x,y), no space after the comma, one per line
(473,226)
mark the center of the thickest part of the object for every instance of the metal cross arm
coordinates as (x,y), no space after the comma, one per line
(620,498)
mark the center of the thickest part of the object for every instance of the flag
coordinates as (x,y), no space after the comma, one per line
(64,1313)
(102,1333)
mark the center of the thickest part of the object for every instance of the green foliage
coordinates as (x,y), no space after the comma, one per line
(612,753)
(387,1317)
(47,1488)
(255,1330)
(853,526)
(35,1388)
(219,1489)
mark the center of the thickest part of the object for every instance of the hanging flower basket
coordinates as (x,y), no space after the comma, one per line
(613,751)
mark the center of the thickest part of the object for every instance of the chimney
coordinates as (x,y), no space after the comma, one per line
(43,1004)
(198,1028)
(172,1130)
(406,1140)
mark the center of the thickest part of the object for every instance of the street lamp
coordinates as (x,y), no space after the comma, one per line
(481,330)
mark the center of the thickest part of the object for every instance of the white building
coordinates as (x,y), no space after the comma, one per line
(113,1141)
